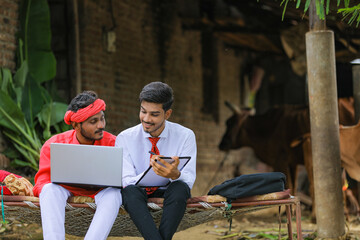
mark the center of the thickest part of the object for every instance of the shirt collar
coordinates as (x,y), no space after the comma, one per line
(163,134)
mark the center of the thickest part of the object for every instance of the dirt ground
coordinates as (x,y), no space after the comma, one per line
(263,224)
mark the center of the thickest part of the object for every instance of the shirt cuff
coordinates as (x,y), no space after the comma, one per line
(179,178)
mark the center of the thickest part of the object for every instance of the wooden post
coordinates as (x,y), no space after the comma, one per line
(356,90)
(356,94)
(75,69)
(320,53)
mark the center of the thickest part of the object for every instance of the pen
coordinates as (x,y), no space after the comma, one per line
(152,153)
(169,157)
(159,157)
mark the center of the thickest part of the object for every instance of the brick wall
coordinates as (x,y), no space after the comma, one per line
(150,46)
(8,28)
(144,40)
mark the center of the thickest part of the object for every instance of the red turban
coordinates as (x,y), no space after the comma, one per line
(84,113)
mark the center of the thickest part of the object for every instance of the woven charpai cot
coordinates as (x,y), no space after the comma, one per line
(80,211)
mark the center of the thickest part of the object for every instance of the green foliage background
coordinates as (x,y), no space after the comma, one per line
(350,13)
(28,114)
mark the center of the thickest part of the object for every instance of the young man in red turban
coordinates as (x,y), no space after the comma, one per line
(86,115)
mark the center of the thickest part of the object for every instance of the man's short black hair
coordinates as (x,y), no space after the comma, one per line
(82,100)
(158,92)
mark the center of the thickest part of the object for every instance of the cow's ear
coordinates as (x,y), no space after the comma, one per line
(168,114)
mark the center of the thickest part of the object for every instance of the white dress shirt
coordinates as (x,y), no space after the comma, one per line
(175,140)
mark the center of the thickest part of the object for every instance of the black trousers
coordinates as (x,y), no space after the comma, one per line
(175,197)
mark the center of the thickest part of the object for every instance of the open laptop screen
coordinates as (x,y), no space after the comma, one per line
(86,165)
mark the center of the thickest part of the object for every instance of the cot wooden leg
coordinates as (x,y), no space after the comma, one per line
(298,221)
(288,215)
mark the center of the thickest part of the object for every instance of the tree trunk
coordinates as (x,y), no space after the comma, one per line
(320,52)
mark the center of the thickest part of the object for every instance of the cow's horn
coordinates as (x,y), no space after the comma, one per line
(232,107)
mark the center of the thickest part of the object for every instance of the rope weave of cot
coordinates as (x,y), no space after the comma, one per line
(78,215)
(92,205)
(154,206)
(205,205)
(30,204)
(69,207)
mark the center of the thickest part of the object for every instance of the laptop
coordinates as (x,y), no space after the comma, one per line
(87,166)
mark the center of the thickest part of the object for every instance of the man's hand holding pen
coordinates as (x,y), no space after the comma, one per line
(163,168)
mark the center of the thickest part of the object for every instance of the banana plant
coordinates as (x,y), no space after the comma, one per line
(27,136)
(28,115)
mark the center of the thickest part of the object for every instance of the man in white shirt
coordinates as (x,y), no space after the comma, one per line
(163,138)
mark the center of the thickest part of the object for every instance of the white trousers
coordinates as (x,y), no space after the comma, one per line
(53,199)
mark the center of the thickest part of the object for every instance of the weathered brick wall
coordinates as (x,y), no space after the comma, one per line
(8,28)
(147,40)
(119,77)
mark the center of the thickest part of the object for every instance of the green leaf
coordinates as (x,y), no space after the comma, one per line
(307,5)
(53,113)
(22,147)
(353,13)
(46,95)
(22,34)
(36,35)
(61,127)
(11,116)
(46,133)
(327,6)
(11,153)
(32,101)
(21,163)
(42,65)
(7,83)
(33,159)
(58,112)
(39,30)
(283,14)
(5,79)
(20,75)
(18,95)
(346,3)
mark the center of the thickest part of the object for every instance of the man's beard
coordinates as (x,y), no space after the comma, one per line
(89,137)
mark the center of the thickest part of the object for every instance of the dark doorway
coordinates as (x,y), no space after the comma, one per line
(63,45)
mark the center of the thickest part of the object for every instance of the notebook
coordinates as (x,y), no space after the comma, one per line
(86,165)
(151,179)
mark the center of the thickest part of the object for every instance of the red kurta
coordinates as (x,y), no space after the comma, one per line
(42,177)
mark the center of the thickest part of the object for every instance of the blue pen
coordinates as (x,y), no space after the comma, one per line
(168,157)
(152,153)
